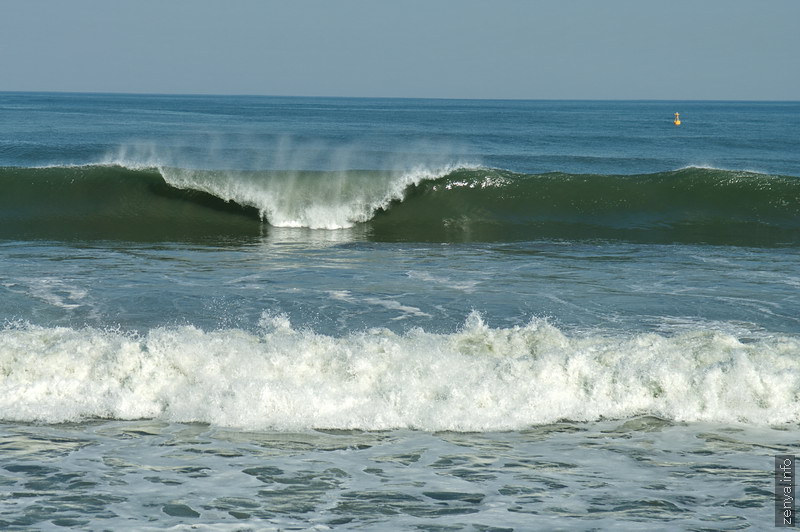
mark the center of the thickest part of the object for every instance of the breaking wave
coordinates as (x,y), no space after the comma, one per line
(476,379)
(454,203)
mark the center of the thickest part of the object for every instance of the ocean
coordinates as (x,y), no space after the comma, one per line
(276,313)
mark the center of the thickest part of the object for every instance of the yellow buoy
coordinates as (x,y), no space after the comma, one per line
(677,120)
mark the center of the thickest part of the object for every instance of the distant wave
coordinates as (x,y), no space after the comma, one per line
(454,203)
(477,379)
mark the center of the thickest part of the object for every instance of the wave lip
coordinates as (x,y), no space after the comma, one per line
(477,379)
(315,200)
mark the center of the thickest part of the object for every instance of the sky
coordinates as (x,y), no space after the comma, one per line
(485,49)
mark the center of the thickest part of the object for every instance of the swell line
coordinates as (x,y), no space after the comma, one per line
(449,204)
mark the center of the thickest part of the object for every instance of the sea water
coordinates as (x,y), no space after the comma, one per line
(305,313)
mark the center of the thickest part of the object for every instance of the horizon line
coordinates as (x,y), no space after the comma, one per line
(451,98)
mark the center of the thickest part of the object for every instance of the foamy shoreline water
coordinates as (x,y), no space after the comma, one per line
(478,379)
(152,475)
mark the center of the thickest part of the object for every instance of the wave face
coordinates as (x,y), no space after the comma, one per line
(691,205)
(112,202)
(477,379)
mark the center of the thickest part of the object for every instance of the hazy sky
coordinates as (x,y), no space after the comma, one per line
(529,49)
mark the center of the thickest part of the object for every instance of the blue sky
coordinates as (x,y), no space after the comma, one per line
(527,49)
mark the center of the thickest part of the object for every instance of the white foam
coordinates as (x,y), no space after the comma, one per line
(392,304)
(387,303)
(477,379)
(486,182)
(341,295)
(427,277)
(334,200)
(55,292)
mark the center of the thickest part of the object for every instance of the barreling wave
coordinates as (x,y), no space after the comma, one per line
(457,203)
(161,203)
(476,379)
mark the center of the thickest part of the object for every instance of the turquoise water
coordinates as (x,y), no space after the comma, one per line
(255,313)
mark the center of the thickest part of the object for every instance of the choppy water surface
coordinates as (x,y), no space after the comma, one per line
(643,472)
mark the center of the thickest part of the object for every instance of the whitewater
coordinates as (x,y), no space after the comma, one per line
(479,379)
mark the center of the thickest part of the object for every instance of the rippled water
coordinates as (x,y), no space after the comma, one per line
(626,475)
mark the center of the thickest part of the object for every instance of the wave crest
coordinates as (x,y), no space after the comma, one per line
(316,200)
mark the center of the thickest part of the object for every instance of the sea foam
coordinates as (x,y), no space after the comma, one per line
(333,200)
(476,379)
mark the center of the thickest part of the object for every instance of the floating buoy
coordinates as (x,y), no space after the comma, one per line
(677,120)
